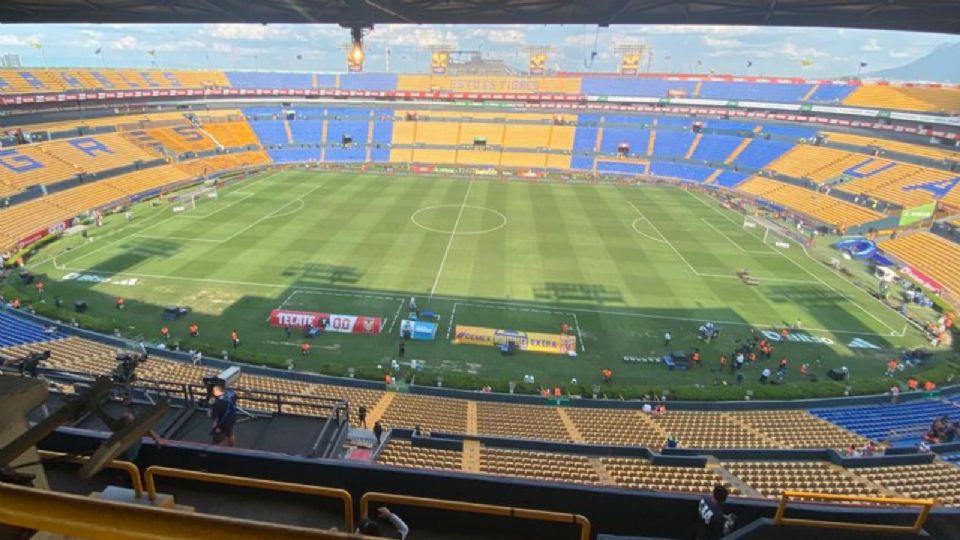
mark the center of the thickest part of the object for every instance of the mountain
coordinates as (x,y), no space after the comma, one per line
(941,65)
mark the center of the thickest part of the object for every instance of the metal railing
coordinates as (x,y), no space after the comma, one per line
(924,504)
(131,469)
(476,508)
(96,519)
(151,474)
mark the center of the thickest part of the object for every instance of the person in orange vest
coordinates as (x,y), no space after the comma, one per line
(557,392)
(194,330)
(40,288)
(235,338)
(165,332)
(304,348)
(929,386)
(119,302)
(388,378)
(16,303)
(565,329)
(751,357)
(723,362)
(607,374)
(695,357)
(912,384)
(891,367)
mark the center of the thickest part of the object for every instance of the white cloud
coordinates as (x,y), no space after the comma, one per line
(11,40)
(698,29)
(790,50)
(509,36)
(125,43)
(872,45)
(250,32)
(722,43)
(901,54)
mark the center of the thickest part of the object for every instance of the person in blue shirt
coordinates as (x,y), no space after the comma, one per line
(223,415)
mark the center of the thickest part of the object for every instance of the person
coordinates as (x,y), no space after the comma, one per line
(852,451)
(235,338)
(671,441)
(765,375)
(119,302)
(370,527)
(40,288)
(607,374)
(784,333)
(565,329)
(402,350)
(798,325)
(711,522)
(912,384)
(16,303)
(666,338)
(929,386)
(223,416)
(894,394)
(165,332)
(362,416)
(378,431)
(416,431)
(892,367)
(196,357)
(288,330)
(695,356)
(305,348)
(194,330)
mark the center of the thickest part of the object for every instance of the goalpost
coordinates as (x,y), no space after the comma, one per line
(187,200)
(774,234)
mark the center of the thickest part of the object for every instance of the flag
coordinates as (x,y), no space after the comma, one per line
(863,64)
(152,52)
(749,63)
(36,45)
(98,51)
(299,57)
(806,63)
(699,62)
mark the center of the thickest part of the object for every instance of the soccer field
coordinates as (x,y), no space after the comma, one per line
(619,264)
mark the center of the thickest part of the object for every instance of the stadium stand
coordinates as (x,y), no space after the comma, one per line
(901,183)
(757,153)
(538,465)
(232,134)
(431,414)
(818,163)
(892,146)
(881,422)
(641,474)
(830,93)
(704,430)
(402,453)
(222,162)
(933,255)
(940,481)
(30,165)
(521,421)
(715,148)
(933,99)
(616,427)
(178,140)
(615,86)
(751,91)
(818,206)
(771,478)
(15,331)
(798,429)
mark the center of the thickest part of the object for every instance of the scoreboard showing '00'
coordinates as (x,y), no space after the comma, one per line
(345,324)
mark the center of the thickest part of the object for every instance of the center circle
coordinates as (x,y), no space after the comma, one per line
(457,219)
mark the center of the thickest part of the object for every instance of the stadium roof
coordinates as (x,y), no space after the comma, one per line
(920,15)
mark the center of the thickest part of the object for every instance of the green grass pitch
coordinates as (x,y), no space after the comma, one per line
(619,264)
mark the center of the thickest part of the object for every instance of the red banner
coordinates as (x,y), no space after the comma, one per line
(345,324)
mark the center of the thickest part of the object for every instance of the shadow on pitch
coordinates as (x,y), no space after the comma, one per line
(325,274)
(600,295)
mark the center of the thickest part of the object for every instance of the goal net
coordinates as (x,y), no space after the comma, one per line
(187,200)
(775,234)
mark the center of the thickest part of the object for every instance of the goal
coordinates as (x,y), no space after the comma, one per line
(187,200)
(774,234)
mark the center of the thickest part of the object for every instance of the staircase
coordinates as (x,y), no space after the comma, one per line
(696,91)
(471,456)
(369,152)
(374,415)
(471,417)
(651,142)
(737,151)
(713,176)
(323,136)
(693,146)
(286,128)
(571,427)
(810,94)
(602,472)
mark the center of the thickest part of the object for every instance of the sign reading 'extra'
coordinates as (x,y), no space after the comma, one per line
(345,324)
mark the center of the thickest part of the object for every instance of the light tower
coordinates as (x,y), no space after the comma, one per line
(537,58)
(631,56)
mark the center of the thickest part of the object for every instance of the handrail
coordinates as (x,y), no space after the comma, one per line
(256,483)
(925,504)
(477,508)
(97,519)
(130,468)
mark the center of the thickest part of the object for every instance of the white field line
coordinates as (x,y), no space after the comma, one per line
(284,303)
(396,317)
(453,315)
(503,305)
(193,215)
(811,274)
(576,324)
(643,234)
(657,230)
(453,234)
(768,251)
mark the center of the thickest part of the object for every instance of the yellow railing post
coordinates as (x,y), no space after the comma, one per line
(268,485)
(477,508)
(130,468)
(924,504)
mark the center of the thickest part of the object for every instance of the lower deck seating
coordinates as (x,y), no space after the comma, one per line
(538,465)
(401,453)
(232,134)
(799,429)
(771,478)
(521,421)
(223,162)
(893,146)
(940,481)
(430,413)
(641,474)
(615,426)
(880,422)
(706,430)
(823,208)
(16,331)
(70,354)
(933,255)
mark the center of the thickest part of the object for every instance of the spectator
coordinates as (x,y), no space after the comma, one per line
(765,375)
(672,441)
(371,527)
(223,414)
(666,339)
(378,431)
(894,393)
(416,431)
(712,522)
(607,374)
(362,416)
(852,451)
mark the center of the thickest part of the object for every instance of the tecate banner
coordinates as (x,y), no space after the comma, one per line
(344,324)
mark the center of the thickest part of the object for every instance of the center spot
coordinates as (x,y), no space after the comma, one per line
(472,220)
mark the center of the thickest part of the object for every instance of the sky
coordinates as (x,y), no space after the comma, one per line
(675,48)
